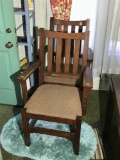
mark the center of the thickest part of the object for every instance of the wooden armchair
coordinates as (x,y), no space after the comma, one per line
(72,26)
(59,97)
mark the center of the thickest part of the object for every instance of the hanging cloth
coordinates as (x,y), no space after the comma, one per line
(61,9)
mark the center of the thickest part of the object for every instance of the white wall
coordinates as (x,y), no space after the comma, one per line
(83,9)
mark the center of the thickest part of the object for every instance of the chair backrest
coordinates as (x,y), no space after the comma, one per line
(71,26)
(58,69)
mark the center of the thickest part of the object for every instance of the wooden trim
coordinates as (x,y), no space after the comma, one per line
(67,56)
(50,55)
(51,119)
(25,124)
(26,73)
(58,55)
(64,75)
(85,50)
(73,23)
(76,56)
(51,132)
(52,34)
(77,134)
(41,56)
(24,91)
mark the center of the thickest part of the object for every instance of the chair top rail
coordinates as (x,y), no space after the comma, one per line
(52,34)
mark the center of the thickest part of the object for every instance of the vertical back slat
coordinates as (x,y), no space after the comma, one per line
(76,56)
(66,28)
(87,24)
(58,28)
(41,57)
(58,55)
(67,55)
(51,23)
(85,50)
(50,53)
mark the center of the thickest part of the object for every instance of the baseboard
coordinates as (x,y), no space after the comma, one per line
(96,83)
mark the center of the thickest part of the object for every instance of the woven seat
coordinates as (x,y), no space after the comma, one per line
(55,101)
(62,92)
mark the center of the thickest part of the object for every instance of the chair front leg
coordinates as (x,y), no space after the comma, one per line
(77,135)
(25,122)
(86,91)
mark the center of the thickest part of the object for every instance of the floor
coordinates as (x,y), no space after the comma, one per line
(95,116)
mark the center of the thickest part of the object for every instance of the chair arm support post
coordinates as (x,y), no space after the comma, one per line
(24,90)
(87,86)
(22,79)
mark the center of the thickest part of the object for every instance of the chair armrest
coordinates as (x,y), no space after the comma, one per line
(22,79)
(87,86)
(26,73)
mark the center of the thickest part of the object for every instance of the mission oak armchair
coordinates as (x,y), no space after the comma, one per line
(63,87)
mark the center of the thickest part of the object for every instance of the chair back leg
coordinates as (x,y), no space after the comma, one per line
(77,135)
(25,123)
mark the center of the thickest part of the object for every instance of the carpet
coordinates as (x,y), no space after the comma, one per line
(44,147)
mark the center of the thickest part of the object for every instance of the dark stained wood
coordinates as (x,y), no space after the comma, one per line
(67,55)
(113,105)
(77,134)
(58,55)
(56,25)
(87,86)
(24,91)
(80,24)
(52,132)
(50,50)
(25,127)
(51,119)
(41,56)
(76,56)
(59,70)
(72,76)
(85,50)
(24,75)
(63,35)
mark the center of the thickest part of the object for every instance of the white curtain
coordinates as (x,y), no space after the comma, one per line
(107,39)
